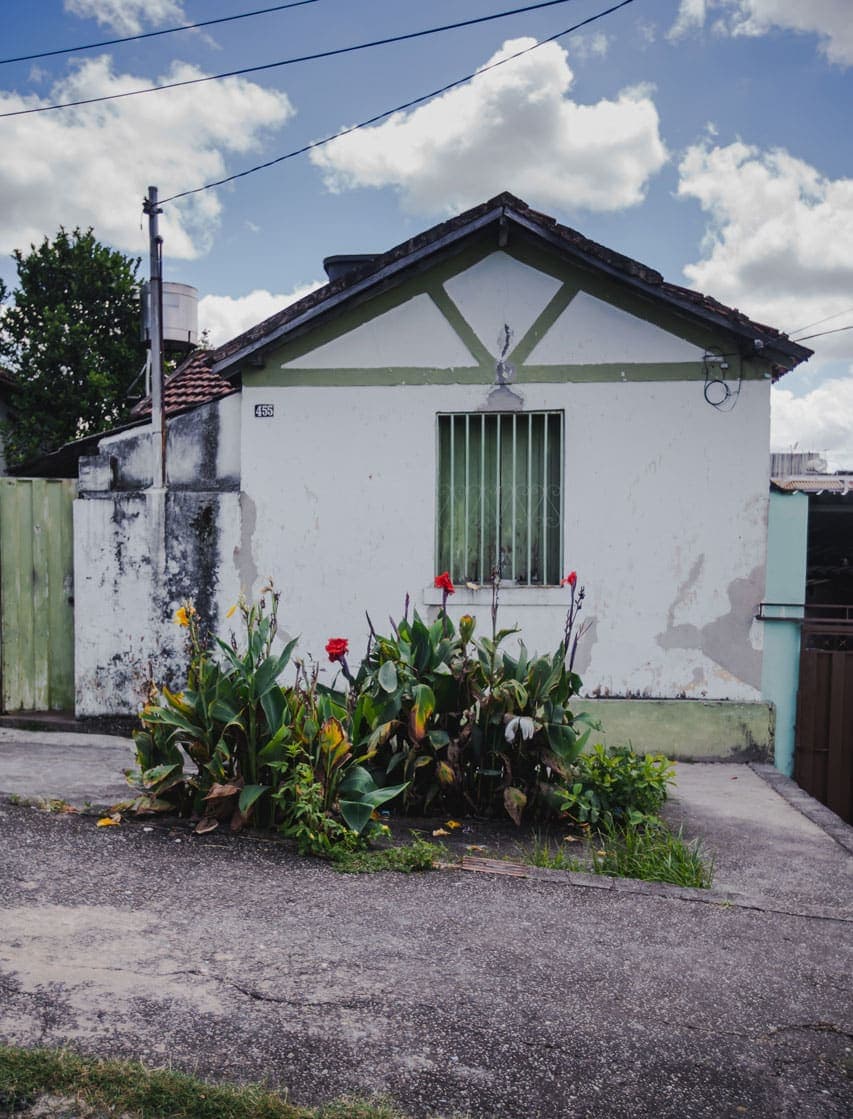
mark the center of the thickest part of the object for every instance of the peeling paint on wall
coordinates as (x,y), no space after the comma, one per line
(726,640)
(244,560)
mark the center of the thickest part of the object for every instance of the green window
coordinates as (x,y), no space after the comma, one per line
(500,497)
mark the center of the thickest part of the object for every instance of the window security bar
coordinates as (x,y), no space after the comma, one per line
(500,496)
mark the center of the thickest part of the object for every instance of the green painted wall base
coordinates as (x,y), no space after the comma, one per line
(685,728)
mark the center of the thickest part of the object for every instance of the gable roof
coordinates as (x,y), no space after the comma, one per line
(509,215)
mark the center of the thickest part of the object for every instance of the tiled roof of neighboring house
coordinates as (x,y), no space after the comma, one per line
(815,483)
(505,210)
(192,383)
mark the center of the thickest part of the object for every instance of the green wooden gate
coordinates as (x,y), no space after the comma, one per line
(36,594)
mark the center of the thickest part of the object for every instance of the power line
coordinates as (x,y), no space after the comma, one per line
(821,333)
(826,318)
(288,61)
(397,109)
(155,34)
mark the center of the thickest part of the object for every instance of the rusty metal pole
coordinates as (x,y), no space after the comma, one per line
(155,339)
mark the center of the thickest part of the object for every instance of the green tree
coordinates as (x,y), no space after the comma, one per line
(71,337)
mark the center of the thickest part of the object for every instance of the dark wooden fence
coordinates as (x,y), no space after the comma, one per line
(824,736)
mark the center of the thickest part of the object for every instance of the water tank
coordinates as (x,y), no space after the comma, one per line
(180,316)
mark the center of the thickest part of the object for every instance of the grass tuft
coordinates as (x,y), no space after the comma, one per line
(86,1085)
(648,851)
(652,853)
(414,856)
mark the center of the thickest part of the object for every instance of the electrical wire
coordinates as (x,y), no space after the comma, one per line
(397,109)
(288,61)
(822,333)
(155,34)
(817,322)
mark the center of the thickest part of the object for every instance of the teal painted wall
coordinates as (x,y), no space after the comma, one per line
(786,583)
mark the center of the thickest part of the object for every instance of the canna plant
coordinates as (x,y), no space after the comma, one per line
(263,752)
(468,726)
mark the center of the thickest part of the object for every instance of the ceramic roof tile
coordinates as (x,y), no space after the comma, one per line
(191,384)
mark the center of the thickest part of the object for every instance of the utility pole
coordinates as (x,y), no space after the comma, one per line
(155,339)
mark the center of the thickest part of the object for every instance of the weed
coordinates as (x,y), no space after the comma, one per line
(552,856)
(652,853)
(53,805)
(417,855)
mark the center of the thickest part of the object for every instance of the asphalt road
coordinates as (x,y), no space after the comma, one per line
(455,993)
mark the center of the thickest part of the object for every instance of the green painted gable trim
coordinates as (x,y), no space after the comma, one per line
(430,282)
(528,375)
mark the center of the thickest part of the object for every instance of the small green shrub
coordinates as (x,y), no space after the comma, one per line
(616,786)
(653,853)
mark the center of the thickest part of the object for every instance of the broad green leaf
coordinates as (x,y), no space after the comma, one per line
(248,797)
(357,780)
(388,676)
(274,707)
(159,773)
(223,712)
(356,814)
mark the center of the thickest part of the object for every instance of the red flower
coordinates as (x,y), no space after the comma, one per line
(569,580)
(337,648)
(445,583)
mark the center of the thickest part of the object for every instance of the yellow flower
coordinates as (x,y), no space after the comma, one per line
(230,613)
(182,617)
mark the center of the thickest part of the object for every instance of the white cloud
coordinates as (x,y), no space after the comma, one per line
(691,16)
(511,128)
(779,240)
(822,420)
(830,20)
(594,45)
(128,17)
(92,165)
(224,316)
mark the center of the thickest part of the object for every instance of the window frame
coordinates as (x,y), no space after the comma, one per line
(550,513)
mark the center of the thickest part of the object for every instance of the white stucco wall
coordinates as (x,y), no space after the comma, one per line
(331,492)
(665,522)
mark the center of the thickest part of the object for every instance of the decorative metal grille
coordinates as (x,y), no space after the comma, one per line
(500,496)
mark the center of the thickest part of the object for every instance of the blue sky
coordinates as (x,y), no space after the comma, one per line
(708,138)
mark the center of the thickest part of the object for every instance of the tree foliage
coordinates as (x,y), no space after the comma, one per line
(71,338)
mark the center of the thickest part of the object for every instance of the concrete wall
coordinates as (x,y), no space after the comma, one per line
(139,553)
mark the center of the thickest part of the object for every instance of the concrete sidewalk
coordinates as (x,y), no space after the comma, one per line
(78,768)
(556,998)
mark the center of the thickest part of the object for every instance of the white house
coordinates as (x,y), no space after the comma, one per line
(497,391)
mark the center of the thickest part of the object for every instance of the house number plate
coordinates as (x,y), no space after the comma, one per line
(264,411)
